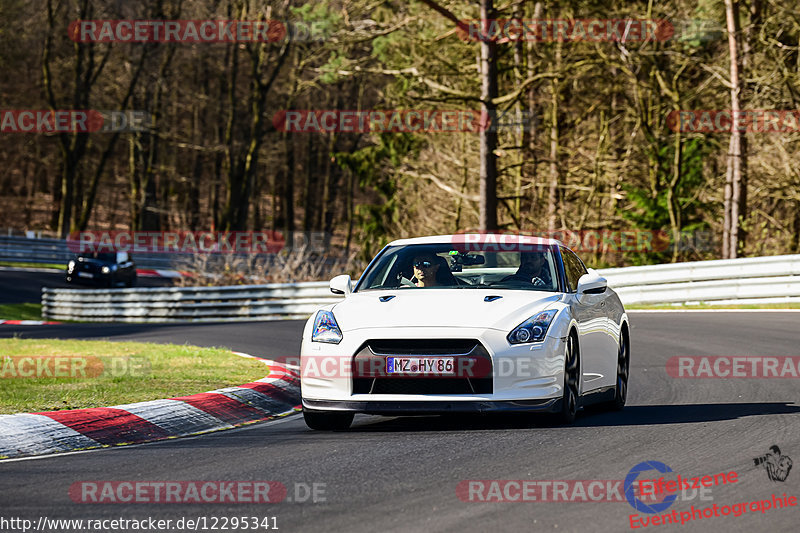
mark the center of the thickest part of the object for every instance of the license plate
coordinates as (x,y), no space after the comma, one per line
(85,275)
(440,366)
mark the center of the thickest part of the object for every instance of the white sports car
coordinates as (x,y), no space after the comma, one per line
(466,323)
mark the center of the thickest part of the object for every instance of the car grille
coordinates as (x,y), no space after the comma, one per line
(87,267)
(423,346)
(369,365)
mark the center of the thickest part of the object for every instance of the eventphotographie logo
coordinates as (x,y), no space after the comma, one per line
(777,466)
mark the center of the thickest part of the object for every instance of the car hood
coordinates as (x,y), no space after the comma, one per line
(465,308)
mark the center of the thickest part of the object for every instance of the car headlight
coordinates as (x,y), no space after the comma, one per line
(326,329)
(105,270)
(532,330)
(70,266)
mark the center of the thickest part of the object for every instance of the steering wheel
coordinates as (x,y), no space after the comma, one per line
(535,281)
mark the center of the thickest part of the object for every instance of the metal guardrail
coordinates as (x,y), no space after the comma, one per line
(752,280)
(726,281)
(277,301)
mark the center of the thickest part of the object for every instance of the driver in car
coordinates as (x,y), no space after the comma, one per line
(533,268)
(430,272)
(425,269)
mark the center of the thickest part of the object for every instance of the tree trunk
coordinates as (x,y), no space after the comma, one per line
(488,135)
(530,136)
(311,185)
(673,205)
(287,190)
(552,197)
(737,162)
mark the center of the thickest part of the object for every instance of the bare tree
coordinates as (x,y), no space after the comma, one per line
(489,97)
(736,176)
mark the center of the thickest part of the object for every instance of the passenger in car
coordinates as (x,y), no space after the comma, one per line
(533,268)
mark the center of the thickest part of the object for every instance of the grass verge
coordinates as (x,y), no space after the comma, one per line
(104,373)
(23,264)
(21,311)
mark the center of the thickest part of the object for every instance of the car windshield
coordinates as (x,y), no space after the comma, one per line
(450,266)
(102,256)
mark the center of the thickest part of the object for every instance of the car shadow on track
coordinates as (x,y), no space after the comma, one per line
(645,415)
(634,415)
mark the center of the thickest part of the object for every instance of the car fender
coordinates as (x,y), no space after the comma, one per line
(616,316)
(562,324)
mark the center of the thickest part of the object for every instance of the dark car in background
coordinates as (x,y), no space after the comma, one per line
(105,269)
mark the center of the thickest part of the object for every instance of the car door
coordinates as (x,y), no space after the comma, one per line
(592,326)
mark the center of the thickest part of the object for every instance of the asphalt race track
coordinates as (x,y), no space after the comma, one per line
(401,474)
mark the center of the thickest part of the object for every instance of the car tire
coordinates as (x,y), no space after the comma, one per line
(623,371)
(327,420)
(571,394)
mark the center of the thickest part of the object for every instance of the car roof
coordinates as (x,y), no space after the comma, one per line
(482,238)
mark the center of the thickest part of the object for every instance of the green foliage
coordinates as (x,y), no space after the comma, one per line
(373,166)
(706,27)
(650,208)
(383,45)
(330,70)
(323,21)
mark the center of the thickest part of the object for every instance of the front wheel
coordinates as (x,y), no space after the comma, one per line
(327,420)
(623,368)
(569,400)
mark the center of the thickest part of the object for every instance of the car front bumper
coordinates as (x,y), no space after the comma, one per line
(526,377)
(388,408)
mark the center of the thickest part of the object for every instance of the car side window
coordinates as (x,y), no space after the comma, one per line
(573,268)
